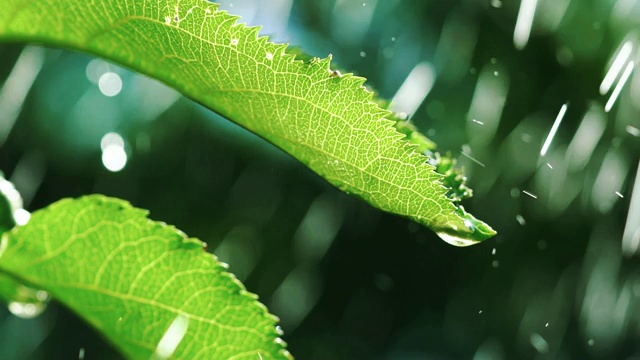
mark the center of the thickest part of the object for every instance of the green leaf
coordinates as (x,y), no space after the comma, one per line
(139,282)
(328,121)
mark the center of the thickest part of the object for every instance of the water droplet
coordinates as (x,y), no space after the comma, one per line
(26,310)
(591,342)
(495,263)
(279,330)
(493,252)
(496,4)
(167,20)
(393,38)
(480,312)
(546,325)
(495,73)
(29,302)
(455,240)
(363,54)
(114,158)
(469,224)
(521,220)
(494,60)
(269,56)
(234,41)
(81,354)
(21,217)
(42,295)
(110,84)
(172,337)
(335,73)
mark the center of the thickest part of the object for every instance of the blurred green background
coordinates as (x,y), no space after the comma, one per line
(485,79)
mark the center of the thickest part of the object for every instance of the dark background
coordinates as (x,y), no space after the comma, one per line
(559,281)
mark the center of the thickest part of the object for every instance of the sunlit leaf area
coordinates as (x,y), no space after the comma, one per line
(538,100)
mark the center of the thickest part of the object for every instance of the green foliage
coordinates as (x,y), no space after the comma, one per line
(134,279)
(328,121)
(141,282)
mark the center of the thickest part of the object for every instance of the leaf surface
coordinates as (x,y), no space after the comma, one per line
(328,121)
(142,284)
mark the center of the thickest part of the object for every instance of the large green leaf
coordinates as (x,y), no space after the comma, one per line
(143,284)
(326,120)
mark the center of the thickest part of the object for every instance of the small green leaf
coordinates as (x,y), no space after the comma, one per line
(143,284)
(325,119)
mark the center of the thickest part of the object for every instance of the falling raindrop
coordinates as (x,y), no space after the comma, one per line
(634,131)
(539,343)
